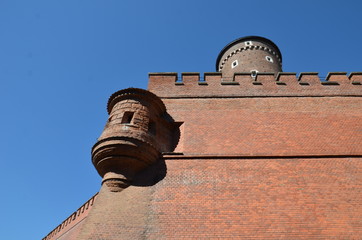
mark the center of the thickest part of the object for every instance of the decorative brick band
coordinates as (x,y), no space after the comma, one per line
(252,47)
(130,93)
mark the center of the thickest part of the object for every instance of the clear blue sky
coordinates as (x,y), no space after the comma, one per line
(60,60)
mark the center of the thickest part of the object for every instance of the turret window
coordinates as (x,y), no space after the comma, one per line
(248,43)
(269,59)
(127,117)
(234,64)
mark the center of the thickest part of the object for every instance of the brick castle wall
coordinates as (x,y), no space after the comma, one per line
(275,126)
(238,198)
(272,157)
(169,85)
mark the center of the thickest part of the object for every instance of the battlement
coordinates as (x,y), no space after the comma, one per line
(282,84)
(72,220)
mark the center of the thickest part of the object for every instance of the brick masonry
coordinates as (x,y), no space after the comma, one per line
(193,85)
(275,157)
(282,198)
(278,126)
(229,155)
(257,199)
(249,54)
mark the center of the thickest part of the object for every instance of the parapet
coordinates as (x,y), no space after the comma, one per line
(244,84)
(72,221)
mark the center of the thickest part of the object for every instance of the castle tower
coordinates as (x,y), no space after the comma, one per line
(249,54)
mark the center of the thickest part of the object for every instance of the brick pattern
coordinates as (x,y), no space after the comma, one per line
(269,126)
(250,53)
(146,108)
(249,58)
(118,215)
(258,199)
(275,157)
(281,198)
(137,131)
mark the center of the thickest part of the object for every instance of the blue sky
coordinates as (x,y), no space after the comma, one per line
(61,60)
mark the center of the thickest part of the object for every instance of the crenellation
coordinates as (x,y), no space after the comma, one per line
(287,81)
(309,78)
(338,77)
(74,219)
(355,78)
(241,84)
(212,79)
(267,78)
(190,77)
(158,80)
(286,77)
(243,78)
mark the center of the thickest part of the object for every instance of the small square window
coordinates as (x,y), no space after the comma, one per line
(127,117)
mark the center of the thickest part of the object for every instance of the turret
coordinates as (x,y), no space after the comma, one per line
(249,54)
(138,130)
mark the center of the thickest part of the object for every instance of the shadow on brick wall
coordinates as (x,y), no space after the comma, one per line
(151,175)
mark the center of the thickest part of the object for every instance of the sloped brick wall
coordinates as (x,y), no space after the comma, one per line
(236,198)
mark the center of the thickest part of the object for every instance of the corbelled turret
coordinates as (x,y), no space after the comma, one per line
(137,132)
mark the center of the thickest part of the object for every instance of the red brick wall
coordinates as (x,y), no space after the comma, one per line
(118,215)
(278,126)
(238,179)
(272,160)
(281,198)
(258,199)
